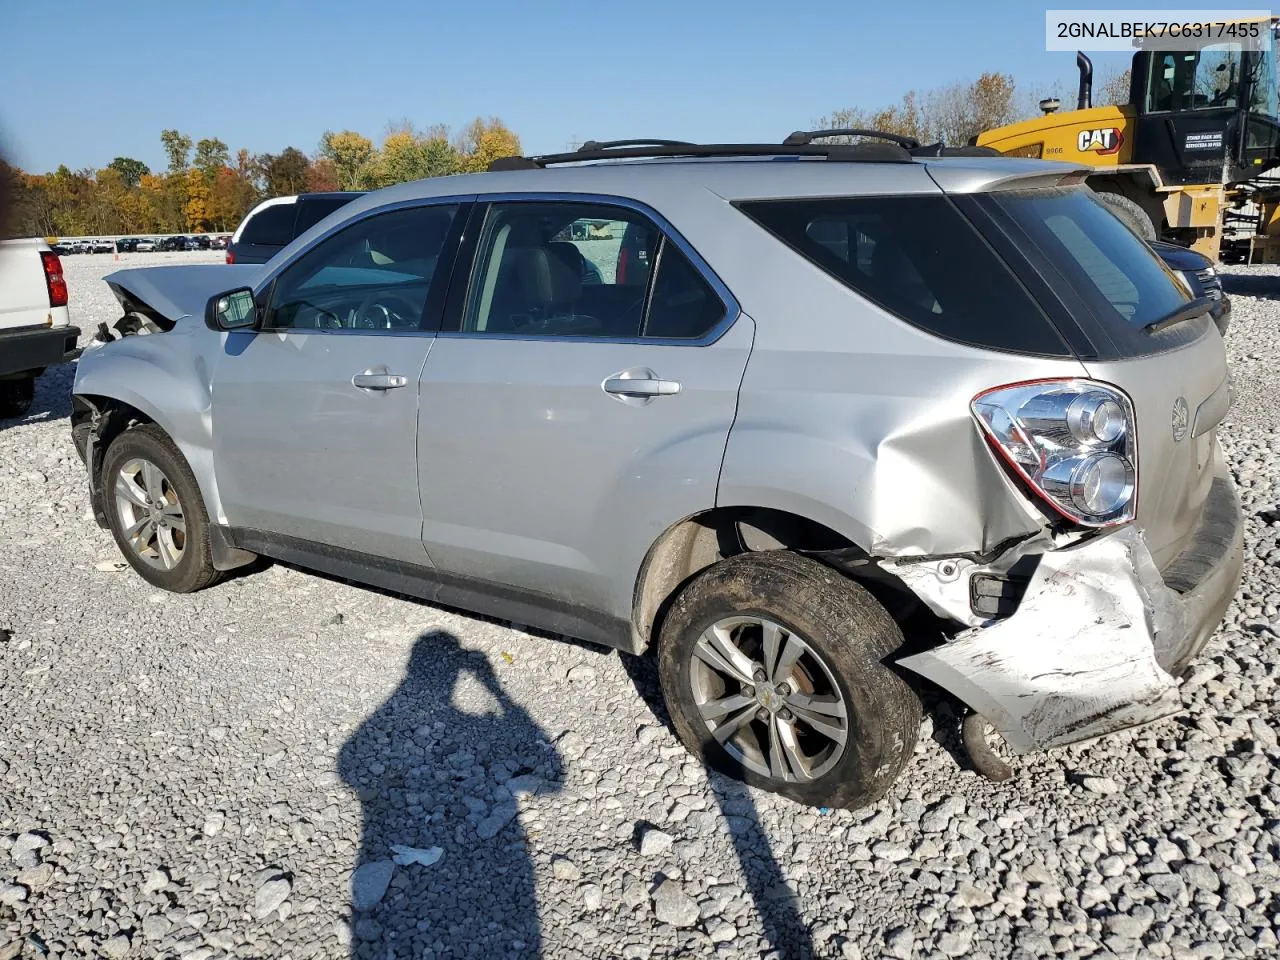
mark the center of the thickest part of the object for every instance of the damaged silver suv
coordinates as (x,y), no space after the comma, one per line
(810,420)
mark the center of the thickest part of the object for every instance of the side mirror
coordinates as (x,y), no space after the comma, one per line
(233,310)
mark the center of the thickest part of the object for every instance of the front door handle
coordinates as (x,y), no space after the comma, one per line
(372,380)
(640,383)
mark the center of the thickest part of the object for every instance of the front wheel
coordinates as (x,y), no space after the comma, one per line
(775,670)
(156,512)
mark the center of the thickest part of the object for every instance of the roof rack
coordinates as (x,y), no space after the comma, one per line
(801,137)
(894,151)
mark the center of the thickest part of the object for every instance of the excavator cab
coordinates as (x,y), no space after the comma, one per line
(1207,115)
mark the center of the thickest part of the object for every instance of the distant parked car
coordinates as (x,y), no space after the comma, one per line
(219,243)
(273,223)
(144,245)
(102,246)
(169,244)
(1201,277)
(198,241)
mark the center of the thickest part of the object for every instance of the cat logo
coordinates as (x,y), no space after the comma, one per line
(1103,141)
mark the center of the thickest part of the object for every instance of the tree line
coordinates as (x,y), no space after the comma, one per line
(205,189)
(955,113)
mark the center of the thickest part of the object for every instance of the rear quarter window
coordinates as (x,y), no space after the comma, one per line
(921,260)
(271,226)
(1090,258)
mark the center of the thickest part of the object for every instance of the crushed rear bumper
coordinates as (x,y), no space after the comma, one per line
(1100,636)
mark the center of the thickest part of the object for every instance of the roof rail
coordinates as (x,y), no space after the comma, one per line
(637,149)
(800,137)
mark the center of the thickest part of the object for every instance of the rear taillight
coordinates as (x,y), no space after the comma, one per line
(624,258)
(231,257)
(1073,443)
(53,278)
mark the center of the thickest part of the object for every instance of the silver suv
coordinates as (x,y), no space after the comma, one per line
(812,421)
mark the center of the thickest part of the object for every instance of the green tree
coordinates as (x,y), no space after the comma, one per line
(130,170)
(408,155)
(176,147)
(349,152)
(211,156)
(284,173)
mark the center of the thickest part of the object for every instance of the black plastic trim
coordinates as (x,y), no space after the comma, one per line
(435,586)
(34,348)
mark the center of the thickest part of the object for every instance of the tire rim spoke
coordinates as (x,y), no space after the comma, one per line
(168,554)
(791,653)
(784,752)
(716,648)
(132,491)
(734,724)
(714,710)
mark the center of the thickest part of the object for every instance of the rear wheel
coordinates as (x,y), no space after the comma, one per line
(774,668)
(1130,214)
(16,396)
(156,512)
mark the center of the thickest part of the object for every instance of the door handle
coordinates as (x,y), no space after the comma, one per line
(636,386)
(370,380)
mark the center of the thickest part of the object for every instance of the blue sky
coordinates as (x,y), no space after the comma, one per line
(87,81)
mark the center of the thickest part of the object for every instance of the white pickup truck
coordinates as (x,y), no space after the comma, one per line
(35,329)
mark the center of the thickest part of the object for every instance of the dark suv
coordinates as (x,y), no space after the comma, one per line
(273,223)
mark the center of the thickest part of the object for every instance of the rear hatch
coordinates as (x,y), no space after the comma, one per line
(1105,289)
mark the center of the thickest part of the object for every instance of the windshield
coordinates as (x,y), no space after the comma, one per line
(1197,79)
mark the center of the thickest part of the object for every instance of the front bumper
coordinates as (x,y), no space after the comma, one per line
(1100,636)
(33,348)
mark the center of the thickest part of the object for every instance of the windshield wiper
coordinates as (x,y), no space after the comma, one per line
(1188,311)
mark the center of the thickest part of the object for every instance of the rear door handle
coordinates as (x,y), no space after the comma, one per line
(371,380)
(640,383)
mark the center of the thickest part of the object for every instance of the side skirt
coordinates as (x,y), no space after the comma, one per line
(427,583)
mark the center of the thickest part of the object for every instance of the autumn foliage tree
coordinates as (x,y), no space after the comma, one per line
(208,190)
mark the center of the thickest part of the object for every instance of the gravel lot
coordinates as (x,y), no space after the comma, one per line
(199,776)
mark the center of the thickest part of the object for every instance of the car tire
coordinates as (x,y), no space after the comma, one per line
(16,397)
(845,639)
(1130,214)
(148,487)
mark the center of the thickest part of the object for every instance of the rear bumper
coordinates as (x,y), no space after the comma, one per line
(31,348)
(1101,635)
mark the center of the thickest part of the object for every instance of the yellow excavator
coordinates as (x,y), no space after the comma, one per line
(1183,160)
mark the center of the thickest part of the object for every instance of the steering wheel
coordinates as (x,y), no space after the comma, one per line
(386,311)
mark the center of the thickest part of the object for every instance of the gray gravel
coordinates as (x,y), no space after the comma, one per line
(198,777)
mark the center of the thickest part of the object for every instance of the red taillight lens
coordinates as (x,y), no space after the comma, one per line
(624,258)
(53,278)
(231,257)
(1073,443)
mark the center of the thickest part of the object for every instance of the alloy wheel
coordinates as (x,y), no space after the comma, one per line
(152,521)
(769,699)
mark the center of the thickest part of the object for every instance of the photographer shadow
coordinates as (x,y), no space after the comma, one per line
(443,868)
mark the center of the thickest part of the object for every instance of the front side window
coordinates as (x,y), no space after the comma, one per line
(373,275)
(564,269)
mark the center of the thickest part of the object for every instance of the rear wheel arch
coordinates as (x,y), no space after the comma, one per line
(696,542)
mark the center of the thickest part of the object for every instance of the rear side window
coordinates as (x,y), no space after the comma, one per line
(311,210)
(272,226)
(570,269)
(918,258)
(1099,257)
